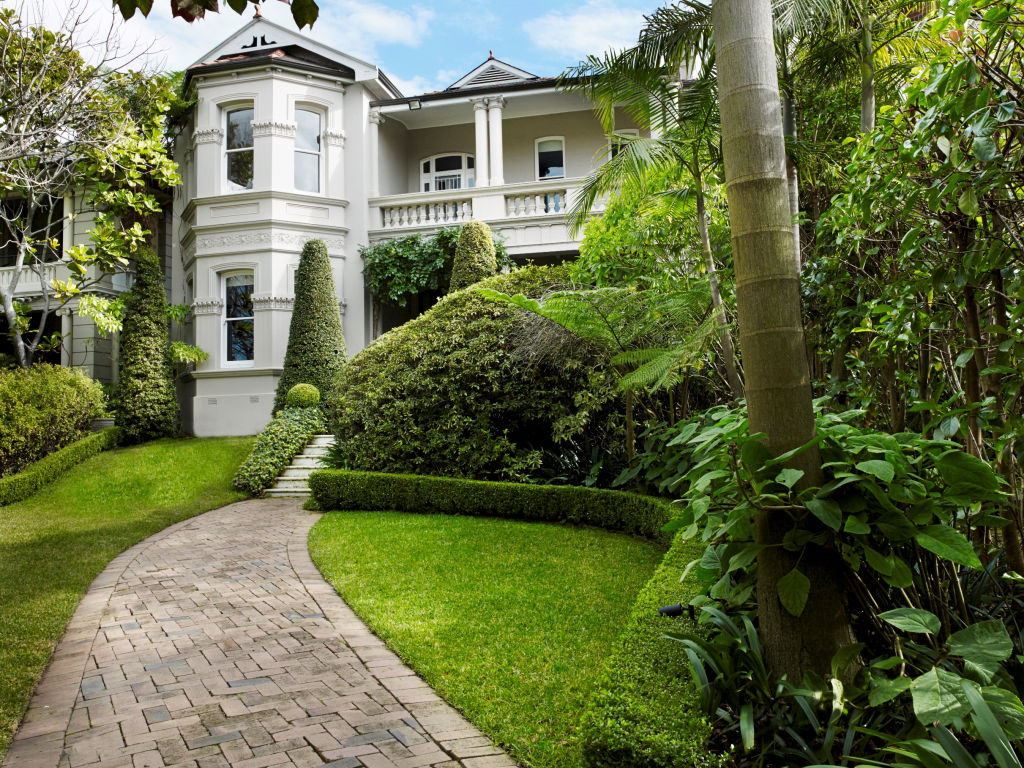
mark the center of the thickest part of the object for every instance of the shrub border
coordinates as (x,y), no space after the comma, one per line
(637,716)
(49,468)
(340,489)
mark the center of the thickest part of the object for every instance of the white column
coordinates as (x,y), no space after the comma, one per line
(482,165)
(209,147)
(66,331)
(335,148)
(494,107)
(373,150)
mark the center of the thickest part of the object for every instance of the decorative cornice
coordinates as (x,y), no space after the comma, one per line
(207,307)
(275,239)
(272,302)
(207,136)
(334,138)
(376,117)
(274,128)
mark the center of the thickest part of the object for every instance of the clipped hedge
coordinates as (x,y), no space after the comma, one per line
(614,510)
(302,396)
(474,255)
(644,712)
(43,408)
(316,341)
(276,446)
(35,476)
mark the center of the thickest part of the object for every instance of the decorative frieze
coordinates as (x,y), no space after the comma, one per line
(274,128)
(334,138)
(272,302)
(208,136)
(207,307)
(271,239)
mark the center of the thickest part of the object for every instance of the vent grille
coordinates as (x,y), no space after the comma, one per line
(211,401)
(492,75)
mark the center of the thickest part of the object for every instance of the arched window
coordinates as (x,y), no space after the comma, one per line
(307,150)
(448,171)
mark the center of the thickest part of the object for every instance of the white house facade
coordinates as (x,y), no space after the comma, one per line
(292,140)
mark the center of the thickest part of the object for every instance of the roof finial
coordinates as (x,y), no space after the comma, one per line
(491,56)
(259,13)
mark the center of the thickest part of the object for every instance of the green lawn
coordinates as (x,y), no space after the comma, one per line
(509,621)
(55,543)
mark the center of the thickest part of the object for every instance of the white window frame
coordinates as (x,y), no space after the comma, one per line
(536,158)
(468,175)
(222,278)
(612,143)
(319,112)
(226,111)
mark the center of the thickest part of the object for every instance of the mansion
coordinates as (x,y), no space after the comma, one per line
(292,140)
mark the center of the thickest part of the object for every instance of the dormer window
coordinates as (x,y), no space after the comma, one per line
(307,150)
(451,171)
(238,148)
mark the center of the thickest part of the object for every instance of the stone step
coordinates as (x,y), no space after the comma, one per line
(313,462)
(322,441)
(292,484)
(300,493)
(297,473)
(313,451)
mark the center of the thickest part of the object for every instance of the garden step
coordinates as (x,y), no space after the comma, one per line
(311,451)
(313,462)
(298,473)
(294,480)
(300,493)
(322,441)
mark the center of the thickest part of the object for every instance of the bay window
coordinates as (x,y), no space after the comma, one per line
(307,150)
(239,148)
(239,321)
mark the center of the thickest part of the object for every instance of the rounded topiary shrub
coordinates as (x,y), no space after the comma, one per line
(452,393)
(474,255)
(303,396)
(316,342)
(43,408)
(145,404)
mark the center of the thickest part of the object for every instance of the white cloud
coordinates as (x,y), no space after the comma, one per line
(592,28)
(356,27)
(418,84)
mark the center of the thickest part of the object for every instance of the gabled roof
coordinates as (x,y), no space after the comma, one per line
(293,56)
(492,72)
(262,36)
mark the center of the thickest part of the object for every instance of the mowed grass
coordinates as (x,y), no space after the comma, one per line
(509,621)
(55,543)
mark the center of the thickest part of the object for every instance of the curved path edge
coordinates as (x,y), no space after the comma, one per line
(227,571)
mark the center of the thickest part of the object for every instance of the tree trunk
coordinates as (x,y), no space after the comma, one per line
(867,72)
(789,131)
(771,336)
(724,335)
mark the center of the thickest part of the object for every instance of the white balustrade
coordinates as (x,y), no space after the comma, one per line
(425,214)
(540,203)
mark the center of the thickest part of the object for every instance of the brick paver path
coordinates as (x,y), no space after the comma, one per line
(217,643)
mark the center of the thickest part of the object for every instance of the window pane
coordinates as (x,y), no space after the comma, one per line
(240,168)
(240,128)
(449,163)
(549,159)
(307,172)
(238,296)
(426,167)
(449,181)
(307,133)
(469,162)
(239,340)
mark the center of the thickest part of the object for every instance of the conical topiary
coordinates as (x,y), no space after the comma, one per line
(316,342)
(145,402)
(474,255)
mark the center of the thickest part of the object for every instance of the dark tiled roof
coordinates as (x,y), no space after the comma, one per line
(451,93)
(293,56)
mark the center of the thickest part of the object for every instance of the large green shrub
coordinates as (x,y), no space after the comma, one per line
(279,442)
(615,510)
(31,479)
(316,342)
(474,256)
(449,394)
(145,405)
(43,408)
(302,396)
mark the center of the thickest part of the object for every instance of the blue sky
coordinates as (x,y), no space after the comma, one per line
(421,46)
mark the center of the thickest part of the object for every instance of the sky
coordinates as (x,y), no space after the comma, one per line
(421,46)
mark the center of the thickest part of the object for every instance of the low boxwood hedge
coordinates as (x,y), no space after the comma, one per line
(614,510)
(276,446)
(644,712)
(22,485)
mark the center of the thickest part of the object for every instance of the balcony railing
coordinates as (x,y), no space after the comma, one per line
(433,210)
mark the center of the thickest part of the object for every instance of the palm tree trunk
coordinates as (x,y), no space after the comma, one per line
(867,73)
(789,131)
(771,335)
(724,335)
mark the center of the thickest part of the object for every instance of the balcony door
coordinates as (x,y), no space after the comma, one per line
(445,172)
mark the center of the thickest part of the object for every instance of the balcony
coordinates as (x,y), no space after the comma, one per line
(529,217)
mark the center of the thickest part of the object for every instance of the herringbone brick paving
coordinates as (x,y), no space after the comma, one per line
(218,643)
